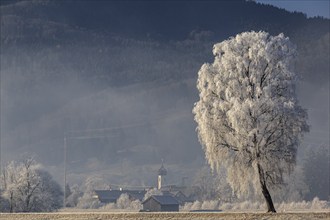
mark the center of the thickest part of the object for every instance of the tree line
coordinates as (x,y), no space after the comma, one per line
(27,187)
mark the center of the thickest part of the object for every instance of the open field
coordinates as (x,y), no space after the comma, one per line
(163,216)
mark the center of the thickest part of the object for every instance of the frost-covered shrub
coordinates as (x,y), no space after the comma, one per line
(135,205)
(196,205)
(73,197)
(123,202)
(152,192)
(315,204)
(109,206)
(319,204)
(212,204)
(186,206)
(248,205)
(88,202)
(244,205)
(226,206)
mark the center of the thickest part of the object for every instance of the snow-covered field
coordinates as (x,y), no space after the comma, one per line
(161,216)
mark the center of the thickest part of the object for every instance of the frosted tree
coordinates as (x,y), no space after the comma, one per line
(87,201)
(29,188)
(152,192)
(73,197)
(249,119)
(124,202)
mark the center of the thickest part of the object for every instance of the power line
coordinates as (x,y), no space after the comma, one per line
(65,143)
(88,134)
(154,121)
(130,186)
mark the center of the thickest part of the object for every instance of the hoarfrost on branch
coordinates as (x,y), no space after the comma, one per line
(249,119)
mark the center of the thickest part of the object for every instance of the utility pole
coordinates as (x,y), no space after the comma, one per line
(0,125)
(79,134)
(0,136)
(65,160)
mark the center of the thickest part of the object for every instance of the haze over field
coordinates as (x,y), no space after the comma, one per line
(129,70)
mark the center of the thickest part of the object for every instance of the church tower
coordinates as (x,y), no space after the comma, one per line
(161,173)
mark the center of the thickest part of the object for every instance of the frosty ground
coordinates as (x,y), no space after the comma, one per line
(160,216)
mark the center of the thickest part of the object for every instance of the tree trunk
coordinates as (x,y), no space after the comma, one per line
(268,198)
(11,203)
(265,192)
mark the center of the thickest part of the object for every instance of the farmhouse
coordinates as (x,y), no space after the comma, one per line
(168,191)
(179,196)
(111,196)
(164,203)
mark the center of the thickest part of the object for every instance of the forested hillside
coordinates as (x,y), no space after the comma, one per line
(131,67)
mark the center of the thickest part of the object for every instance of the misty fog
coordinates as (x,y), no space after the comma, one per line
(123,99)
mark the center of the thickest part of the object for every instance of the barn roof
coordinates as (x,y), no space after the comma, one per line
(163,200)
(136,194)
(107,196)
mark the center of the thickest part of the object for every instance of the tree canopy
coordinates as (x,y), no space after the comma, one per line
(248,115)
(27,187)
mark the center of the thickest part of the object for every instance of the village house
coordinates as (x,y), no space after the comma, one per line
(111,196)
(161,203)
(168,191)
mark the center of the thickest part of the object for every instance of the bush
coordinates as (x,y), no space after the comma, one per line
(30,188)
(315,204)
(212,204)
(88,202)
(123,202)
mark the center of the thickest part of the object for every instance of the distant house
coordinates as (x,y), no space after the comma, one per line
(177,193)
(181,197)
(161,203)
(111,196)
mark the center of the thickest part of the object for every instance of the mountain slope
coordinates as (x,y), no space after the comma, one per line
(76,65)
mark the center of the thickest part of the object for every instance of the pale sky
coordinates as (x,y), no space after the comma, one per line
(310,7)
